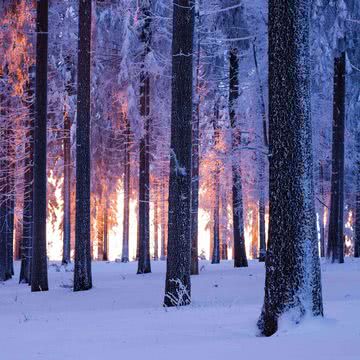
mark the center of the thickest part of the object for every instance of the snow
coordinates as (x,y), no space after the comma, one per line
(122,316)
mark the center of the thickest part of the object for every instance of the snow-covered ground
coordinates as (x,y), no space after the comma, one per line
(122,317)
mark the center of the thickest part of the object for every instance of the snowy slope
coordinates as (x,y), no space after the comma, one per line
(122,317)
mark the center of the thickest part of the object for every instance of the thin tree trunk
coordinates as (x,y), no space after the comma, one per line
(178,283)
(106,232)
(156,223)
(224,221)
(67,190)
(39,278)
(27,234)
(322,210)
(335,248)
(293,280)
(144,265)
(126,222)
(240,259)
(82,272)
(163,250)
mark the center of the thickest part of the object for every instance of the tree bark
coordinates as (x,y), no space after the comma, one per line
(144,265)
(82,272)
(39,278)
(178,285)
(293,281)
(335,249)
(240,259)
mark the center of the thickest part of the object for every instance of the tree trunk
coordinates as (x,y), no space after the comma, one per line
(67,190)
(240,259)
(178,285)
(293,281)
(163,250)
(27,234)
(126,223)
(144,265)
(322,210)
(106,232)
(82,272)
(224,221)
(156,223)
(335,248)
(39,278)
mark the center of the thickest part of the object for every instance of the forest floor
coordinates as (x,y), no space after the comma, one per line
(122,317)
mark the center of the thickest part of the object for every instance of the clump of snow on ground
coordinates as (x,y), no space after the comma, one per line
(123,317)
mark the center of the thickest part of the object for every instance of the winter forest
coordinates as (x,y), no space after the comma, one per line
(179,179)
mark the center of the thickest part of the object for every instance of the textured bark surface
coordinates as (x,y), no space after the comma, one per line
(39,280)
(293,281)
(240,259)
(335,249)
(178,286)
(224,227)
(82,273)
(144,163)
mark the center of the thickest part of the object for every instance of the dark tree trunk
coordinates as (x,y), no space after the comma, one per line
(82,273)
(105,256)
(335,248)
(39,278)
(67,190)
(292,262)
(240,259)
(144,176)
(178,285)
(126,223)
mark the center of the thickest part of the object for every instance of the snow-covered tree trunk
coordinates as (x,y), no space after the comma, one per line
(126,219)
(39,280)
(293,281)
(240,259)
(322,210)
(216,212)
(178,285)
(224,232)
(27,233)
(67,190)
(144,163)
(163,250)
(335,248)
(82,272)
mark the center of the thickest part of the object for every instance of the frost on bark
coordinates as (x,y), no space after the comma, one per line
(39,279)
(240,259)
(82,272)
(293,282)
(178,286)
(27,229)
(335,249)
(144,163)
(216,176)
(127,173)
